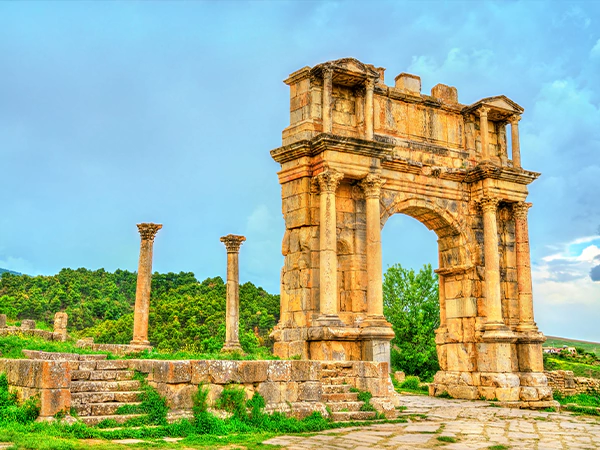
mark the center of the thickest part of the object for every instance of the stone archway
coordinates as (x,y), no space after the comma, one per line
(358,151)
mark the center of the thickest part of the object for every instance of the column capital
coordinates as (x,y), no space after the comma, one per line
(514,119)
(371,185)
(489,203)
(329,180)
(520,209)
(233,242)
(370,83)
(148,230)
(327,73)
(483,111)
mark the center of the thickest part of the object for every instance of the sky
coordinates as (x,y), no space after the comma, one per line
(116,113)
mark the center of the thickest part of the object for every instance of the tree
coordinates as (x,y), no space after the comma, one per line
(411,305)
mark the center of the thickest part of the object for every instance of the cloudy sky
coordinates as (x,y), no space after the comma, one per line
(115,113)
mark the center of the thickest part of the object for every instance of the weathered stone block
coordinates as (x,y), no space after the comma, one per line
(171,372)
(508,394)
(178,396)
(271,392)
(253,371)
(529,394)
(466,392)
(310,391)
(53,401)
(112,364)
(223,372)
(305,370)
(279,371)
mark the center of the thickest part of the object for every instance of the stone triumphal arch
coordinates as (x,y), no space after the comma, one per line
(357,151)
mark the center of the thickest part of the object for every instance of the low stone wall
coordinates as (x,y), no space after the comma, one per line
(44,334)
(50,380)
(293,387)
(115,349)
(566,383)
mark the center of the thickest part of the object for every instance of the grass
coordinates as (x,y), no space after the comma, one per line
(411,384)
(446,439)
(579,369)
(499,447)
(588,404)
(11,347)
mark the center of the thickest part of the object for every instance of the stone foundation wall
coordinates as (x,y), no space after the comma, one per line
(566,383)
(50,380)
(293,387)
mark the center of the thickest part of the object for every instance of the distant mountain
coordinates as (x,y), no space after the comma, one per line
(9,271)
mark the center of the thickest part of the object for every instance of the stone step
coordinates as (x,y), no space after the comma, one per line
(350,416)
(335,381)
(119,418)
(82,398)
(345,406)
(340,397)
(104,386)
(336,388)
(100,409)
(100,375)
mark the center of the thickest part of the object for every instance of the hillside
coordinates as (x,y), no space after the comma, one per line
(554,341)
(8,271)
(185,314)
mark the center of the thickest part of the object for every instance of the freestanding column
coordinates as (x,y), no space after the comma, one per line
(328,289)
(493,298)
(483,129)
(326,107)
(371,185)
(144,281)
(526,322)
(370,85)
(514,133)
(232,320)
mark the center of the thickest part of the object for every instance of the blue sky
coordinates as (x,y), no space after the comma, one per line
(115,113)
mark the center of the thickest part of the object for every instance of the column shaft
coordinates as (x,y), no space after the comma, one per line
(326,107)
(328,286)
(371,185)
(526,322)
(232,306)
(493,297)
(369,109)
(144,283)
(516,147)
(483,129)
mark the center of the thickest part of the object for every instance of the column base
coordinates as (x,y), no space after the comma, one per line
(375,321)
(498,332)
(232,347)
(145,343)
(329,320)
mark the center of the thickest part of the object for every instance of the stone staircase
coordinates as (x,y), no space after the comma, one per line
(100,387)
(341,401)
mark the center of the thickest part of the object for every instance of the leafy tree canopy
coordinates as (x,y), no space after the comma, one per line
(411,305)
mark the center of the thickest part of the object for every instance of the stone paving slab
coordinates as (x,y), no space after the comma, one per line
(473,424)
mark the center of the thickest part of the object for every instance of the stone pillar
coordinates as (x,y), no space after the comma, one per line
(483,129)
(526,322)
(326,106)
(60,325)
(328,182)
(144,282)
(370,86)
(493,299)
(232,322)
(371,185)
(2,320)
(516,148)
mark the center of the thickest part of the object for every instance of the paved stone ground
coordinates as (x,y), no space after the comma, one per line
(473,425)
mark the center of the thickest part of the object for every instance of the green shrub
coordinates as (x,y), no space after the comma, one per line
(233,400)
(411,382)
(11,411)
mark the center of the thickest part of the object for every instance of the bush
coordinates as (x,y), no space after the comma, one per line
(412,383)
(11,411)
